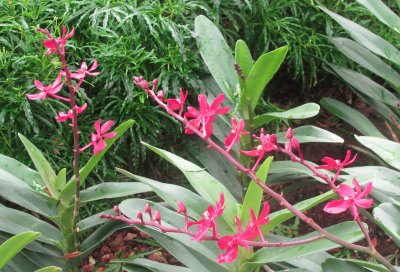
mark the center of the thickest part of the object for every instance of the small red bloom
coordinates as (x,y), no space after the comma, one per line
(236,132)
(83,71)
(49,90)
(177,103)
(204,117)
(62,116)
(53,44)
(262,219)
(181,207)
(97,139)
(293,145)
(332,164)
(209,217)
(350,199)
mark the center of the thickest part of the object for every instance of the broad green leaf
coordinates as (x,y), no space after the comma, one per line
(19,170)
(12,246)
(136,268)
(254,194)
(243,59)
(61,180)
(311,262)
(14,221)
(366,86)
(351,116)
(311,134)
(301,112)
(374,266)
(334,265)
(387,216)
(367,59)
(366,38)
(262,72)
(42,165)
(216,54)
(205,184)
(383,13)
(283,215)
(157,266)
(388,151)
(113,190)
(50,269)
(93,220)
(348,231)
(69,189)
(28,198)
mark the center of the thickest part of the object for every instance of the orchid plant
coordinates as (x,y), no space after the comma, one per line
(251,234)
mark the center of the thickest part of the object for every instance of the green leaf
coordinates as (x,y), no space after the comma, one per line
(387,216)
(28,198)
(14,221)
(366,86)
(160,267)
(383,13)
(216,54)
(205,184)
(19,170)
(351,116)
(61,180)
(93,220)
(15,244)
(301,112)
(69,189)
(311,134)
(387,150)
(366,38)
(348,231)
(262,72)
(113,190)
(283,215)
(367,59)
(334,265)
(42,165)
(374,266)
(254,194)
(243,59)
(50,269)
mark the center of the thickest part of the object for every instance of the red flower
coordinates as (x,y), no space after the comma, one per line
(97,139)
(49,90)
(209,217)
(83,71)
(331,164)
(236,132)
(203,118)
(177,103)
(62,116)
(231,243)
(53,44)
(293,145)
(350,199)
(268,143)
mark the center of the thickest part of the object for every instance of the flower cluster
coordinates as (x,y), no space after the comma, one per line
(57,45)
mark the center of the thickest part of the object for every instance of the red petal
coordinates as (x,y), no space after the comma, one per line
(50,44)
(336,206)
(203,104)
(37,96)
(217,101)
(251,153)
(364,203)
(97,126)
(38,84)
(109,135)
(101,144)
(345,191)
(106,126)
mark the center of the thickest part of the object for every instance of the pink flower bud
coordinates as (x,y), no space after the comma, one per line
(140,216)
(181,207)
(147,208)
(116,209)
(156,216)
(155,83)
(289,133)
(160,94)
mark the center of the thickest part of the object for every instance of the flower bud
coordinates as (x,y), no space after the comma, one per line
(157,216)
(147,208)
(181,207)
(289,134)
(160,94)
(116,209)
(155,83)
(140,216)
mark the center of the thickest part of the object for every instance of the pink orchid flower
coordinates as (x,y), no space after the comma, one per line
(293,145)
(55,43)
(62,116)
(350,199)
(267,144)
(97,139)
(83,71)
(332,164)
(177,103)
(209,217)
(236,132)
(231,243)
(204,117)
(49,90)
